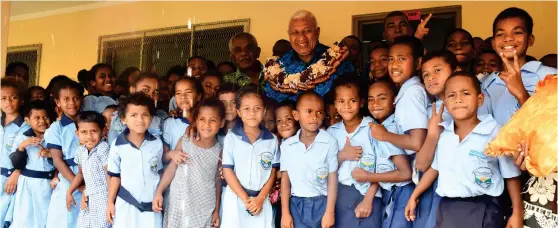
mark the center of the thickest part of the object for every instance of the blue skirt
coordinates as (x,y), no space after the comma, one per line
(395,202)
(427,207)
(307,212)
(348,198)
(473,212)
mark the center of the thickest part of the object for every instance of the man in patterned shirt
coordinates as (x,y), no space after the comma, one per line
(244,52)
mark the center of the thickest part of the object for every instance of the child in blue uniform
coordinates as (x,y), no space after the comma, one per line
(227,94)
(195,187)
(358,203)
(91,157)
(12,94)
(28,155)
(102,81)
(309,169)
(393,170)
(188,93)
(62,142)
(469,182)
(250,161)
(147,83)
(135,160)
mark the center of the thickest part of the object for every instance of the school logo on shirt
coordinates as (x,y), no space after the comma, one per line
(368,163)
(483,177)
(477,154)
(384,168)
(321,177)
(9,142)
(265,160)
(153,164)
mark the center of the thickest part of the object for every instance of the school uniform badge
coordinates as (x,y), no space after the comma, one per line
(153,164)
(10,142)
(265,160)
(321,177)
(483,177)
(368,163)
(384,168)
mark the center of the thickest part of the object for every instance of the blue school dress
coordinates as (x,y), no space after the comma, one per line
(173,130)
(138,170)
(92,165)
(350,192)
(394,195)
(252,164)
(469,181)
(33,187)
(97,102)
(8,132)
(61,135)
(308,170)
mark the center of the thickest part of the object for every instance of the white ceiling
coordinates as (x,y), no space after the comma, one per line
(19,8)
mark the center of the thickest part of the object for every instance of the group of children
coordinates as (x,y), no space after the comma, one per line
(405,151)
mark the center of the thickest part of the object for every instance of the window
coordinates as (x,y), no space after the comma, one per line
(30,55)
(158,50)
(370,27)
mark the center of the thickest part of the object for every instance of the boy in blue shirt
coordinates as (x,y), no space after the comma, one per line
(469,182)
(309,169)
(62,142)
(12,94)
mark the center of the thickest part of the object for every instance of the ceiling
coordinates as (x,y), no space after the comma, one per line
(19,8)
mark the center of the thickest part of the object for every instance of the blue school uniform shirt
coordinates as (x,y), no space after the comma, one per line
(172,104)
(500,101)
(252,163)
(8,133)
(308,168)
(34,161)
(117,127)
(445,115)
(385,151)
(173,130)
(61,135)
(360,137)
(463,168)
(410,107)
(97,102)
(138,168)
(92,165)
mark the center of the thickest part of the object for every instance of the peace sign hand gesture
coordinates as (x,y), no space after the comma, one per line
(433,123)
(422,31)
(512,77)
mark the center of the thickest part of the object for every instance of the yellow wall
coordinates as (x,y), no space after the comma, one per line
(70,41)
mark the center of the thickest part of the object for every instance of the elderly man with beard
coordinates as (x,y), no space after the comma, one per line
(307,50)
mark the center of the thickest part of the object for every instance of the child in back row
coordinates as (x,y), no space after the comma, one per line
(12,94)
(63,143)
(28,155)
(469,182)
(250,160)
(195,187)
(147,83)
(102,80)
(135,160)
(309,169)
(358,203)
(91,157)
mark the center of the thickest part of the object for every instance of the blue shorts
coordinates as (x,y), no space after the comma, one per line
(427,207)
(307,212)
(481,211)
(348,198)
(395,202)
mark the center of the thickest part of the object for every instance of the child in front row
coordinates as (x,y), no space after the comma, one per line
(28,155)
(12,93)
(135,159)
(358,204)
(195,187)
(250,161)
(309,169)
(62,142)
(148,84)
(91,157)
(393,170)
(469,182)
